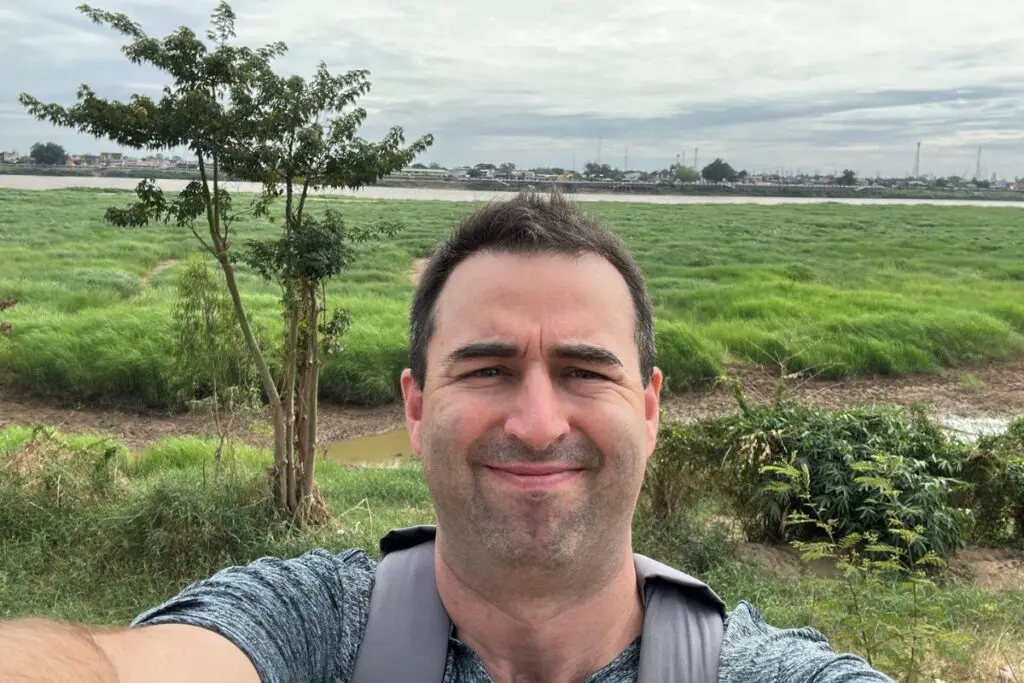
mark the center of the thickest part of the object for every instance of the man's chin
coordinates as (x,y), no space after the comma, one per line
(529,543)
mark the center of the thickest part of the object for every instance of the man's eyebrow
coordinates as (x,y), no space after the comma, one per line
(587,353)
(482,350)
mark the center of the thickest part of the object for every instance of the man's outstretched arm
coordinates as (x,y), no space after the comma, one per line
(272,621)
(40,651)
(756,652)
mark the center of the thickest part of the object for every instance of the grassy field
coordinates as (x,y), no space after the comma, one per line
(840,289)
(123,531)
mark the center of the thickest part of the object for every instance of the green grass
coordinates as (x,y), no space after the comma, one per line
(103,552)
(836,288)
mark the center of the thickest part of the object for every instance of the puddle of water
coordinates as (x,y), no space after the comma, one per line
(968,429)
(386,448)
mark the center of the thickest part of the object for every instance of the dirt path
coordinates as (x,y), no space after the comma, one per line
(157,269)
(416,269)
(995,391)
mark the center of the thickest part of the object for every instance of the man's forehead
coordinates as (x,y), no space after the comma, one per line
(490,269)
(562,298)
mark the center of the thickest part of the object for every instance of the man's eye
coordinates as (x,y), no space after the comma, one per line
(581,374)
(484,372)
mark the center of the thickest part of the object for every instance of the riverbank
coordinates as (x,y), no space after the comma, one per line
(483,190)
(969,400)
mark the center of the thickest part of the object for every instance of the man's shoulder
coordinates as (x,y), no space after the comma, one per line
(753,650)
(265,583)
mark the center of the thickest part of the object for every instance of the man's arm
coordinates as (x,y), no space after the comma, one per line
(39,651)
(756,652)
(272,621)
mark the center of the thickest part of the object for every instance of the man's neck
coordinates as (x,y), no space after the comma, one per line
(537,628)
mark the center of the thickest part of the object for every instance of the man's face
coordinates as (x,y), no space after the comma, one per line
(533,424)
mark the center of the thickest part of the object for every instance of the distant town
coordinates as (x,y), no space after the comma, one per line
(49,158)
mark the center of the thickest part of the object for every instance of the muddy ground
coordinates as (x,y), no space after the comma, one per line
(995,390)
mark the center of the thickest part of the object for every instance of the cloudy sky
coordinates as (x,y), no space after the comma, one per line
(765,84)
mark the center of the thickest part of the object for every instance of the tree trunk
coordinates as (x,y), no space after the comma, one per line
(313,370)
(277,415)
(290,354)
(310,507)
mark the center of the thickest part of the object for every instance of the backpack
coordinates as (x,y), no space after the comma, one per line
(408,630)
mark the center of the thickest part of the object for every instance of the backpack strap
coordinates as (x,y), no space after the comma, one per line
(683,625)
(406,639)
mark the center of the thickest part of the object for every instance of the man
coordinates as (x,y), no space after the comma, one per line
(532,401)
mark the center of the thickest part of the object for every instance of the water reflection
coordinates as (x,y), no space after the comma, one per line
(387,448)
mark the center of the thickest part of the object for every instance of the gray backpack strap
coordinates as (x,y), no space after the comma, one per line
(407,633)
(683,625)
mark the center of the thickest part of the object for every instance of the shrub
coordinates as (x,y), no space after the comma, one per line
(728,455)
(878,576)
(696,545)
(177,526)
(209,353)
(47,480)
(996,472)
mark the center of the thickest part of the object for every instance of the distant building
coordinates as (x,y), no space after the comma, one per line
(9,157)
(112,159)
(424,172)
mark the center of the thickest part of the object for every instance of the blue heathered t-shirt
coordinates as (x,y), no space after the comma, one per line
(301,620)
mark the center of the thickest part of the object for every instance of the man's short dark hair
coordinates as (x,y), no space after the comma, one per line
(528,224)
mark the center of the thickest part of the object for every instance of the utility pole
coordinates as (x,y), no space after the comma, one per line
(574,162)
(977,170)
(917,162)
(695,164)
(599,151)
(625,160)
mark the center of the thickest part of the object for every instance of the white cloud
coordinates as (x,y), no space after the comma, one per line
(779,83)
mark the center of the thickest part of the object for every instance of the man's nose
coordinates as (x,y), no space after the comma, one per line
(537,417)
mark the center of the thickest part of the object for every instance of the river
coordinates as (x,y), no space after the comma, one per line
(31,182)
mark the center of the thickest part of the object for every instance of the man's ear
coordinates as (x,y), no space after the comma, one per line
(652,409)
(412,397)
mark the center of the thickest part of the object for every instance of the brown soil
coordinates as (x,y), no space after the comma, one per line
(993,569)
(157,269)
(999,393)
(139,429)
(992,390)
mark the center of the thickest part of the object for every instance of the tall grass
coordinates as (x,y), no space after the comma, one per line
(94,533)
(836,288)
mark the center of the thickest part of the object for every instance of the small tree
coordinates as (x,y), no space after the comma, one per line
(686,174)
(213,371)
(848,178)
(238,117)
(718,171)
(48,153)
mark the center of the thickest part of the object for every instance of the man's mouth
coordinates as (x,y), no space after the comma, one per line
(535,476)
